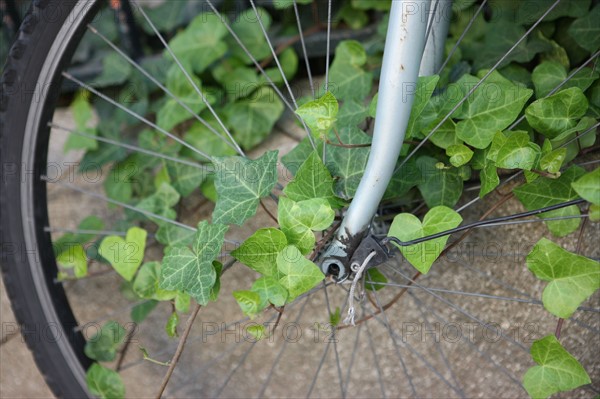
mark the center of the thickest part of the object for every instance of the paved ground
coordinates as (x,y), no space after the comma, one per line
(476,266)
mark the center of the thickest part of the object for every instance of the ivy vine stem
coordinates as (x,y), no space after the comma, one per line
(179,351)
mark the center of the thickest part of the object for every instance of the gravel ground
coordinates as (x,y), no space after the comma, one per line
(438,343)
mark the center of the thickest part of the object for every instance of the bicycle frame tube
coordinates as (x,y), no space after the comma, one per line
(405,42)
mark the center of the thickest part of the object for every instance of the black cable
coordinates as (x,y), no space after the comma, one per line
(481,223)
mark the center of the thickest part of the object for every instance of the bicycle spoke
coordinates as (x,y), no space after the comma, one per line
(328,44)
(304,52)
(478,295)
(261,70)
(318,372)
(135,115)
(557,88)
(462,36)
(334,339)
(472,90)
(352,357)
(375,359)
(168,92)
(189,78)
(131,147)
(463,311)
(235,369)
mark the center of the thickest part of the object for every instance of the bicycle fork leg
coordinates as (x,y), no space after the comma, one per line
(402,55)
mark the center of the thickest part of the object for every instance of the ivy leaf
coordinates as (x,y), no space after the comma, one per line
(348,164)
(296,157)
(481,117)
(248,29)
(104,382)
(552,160)
(185,178)
(347,79)
(298,220)
(199,136)
(192,271)
(282,4)
(312,180)
(161,203)
(201,43)
(252,119)
(558,370)
(257,331)
(83,115)
(514,150)
(259,251)
(408,227)
(459,154)
(141,311)
(423,91)
(104,344)
(300,274)
(125,255)
(171,235)
(439,186)
(405,178)
(572,278)
(74,257)
(374,280)
(270,291)
(588,186)
(594,213)
(352,113)
(214,292)
(549,74)
(552,115)
(545,192)
(240,184)
(489,178)
(249,302)
(320,115)
(289,64)
(585,30)
(118,182)
(69,239)
(146,283)
(115,71)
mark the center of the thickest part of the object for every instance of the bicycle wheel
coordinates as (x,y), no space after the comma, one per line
(423,345)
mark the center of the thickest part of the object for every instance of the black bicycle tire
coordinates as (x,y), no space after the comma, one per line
(39,304)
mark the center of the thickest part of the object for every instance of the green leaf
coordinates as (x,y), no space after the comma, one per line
(125,255)
(259,251)
(347,79)
(552,160)
(348,164)
(546,76)
(270,291)
(252,119)
(320,115)
(296,157)
(214,293)
(248,29)
(351,114)
(408,227)
(422,93)
(489,178)
(298,220)
(588,186)
(403,179)
(289,64)
(282,4)
(300,274)
(192,271)
(594,213)
(146,283)
(572,278)
(161,203)
(104,344)
(312,180)
(115,71)
(493,106)
(240,184)
(201,43)
(140,312)
(439,186)
(558,370)
(104,382)
(182,301)
(83,115)
(374,277)
(69,239)
(335,317)
(586,31)
(257,331)
(199,136)
(118,182)
(459,154)
(514,150)
(185,178)
(74,257)
(545,192)
(171,235)
(552,115)
(249,302)
(171,326)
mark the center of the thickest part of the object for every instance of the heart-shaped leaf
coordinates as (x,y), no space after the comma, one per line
(572,278)
(259,251)
(270,291)
(300,274)
(557,371)
(298,220)
(104,382)
(125,255)
(408,227)
(320,114)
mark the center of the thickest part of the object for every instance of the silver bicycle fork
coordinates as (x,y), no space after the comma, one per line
(407,55)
